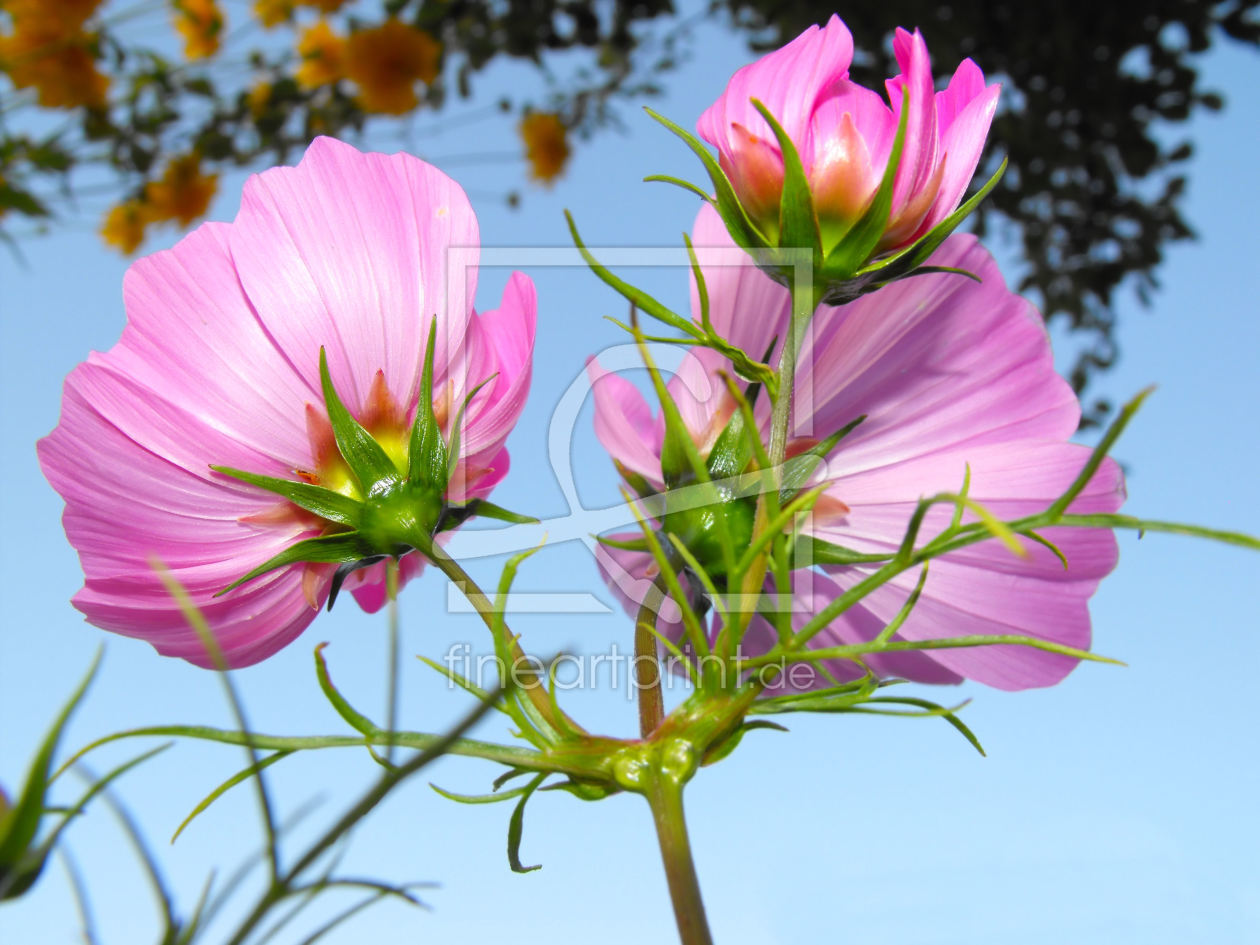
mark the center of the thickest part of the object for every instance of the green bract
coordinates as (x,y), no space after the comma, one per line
(393,511)
(844,263)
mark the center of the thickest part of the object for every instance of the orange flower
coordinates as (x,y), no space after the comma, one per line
(258,98)
(201,24)
(322,52)
(59,62)
(125,224)
(546,145)
(68,15)
(182,193)
(273,12)
(385,63)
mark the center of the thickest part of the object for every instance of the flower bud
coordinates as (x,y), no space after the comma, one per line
(880,175)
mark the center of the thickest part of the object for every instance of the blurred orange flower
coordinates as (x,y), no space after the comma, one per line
(387,61)
(323,54)
(68,14)
(258,98)
(546,145)
(324,6)
(48,51)
(273,12)
(125,225)
(182,193)
(201,24)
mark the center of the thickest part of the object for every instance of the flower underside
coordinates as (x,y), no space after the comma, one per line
(377,488)
(713,515)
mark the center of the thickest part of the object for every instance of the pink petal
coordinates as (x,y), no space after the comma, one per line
(249,624)
(962,144)
(855,626)
(966,84)
(755,168)
(149,497)
(871,117)
(349,251)
(919,153)
(624,423)
(509,333)
(843,178)
(218,365)
(934,362)
(629,575)
(789,82)
(368,584)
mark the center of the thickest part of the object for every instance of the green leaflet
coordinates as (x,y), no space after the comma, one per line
(427,456)
(370,464)
(798,221)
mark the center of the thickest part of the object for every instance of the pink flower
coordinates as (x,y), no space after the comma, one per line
(844,134)
(219,364)
(949,373)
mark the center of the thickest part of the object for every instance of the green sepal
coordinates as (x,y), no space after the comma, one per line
(583,790)
(31,865)
(637,297)
(731,451)
(798,469)
(798,221)
(352,716)
(910,260)
(344,570)
(426,455)
(723,748)
(679,182)
(244,774)
(808,551)
(494,798)
(702,288)
(856,246)
(327,549)
(325,503)
(516,826)
(484,509)
(455,515)
(457,426)
(742,229)
(840,698)
(930,710)
(509,775)
(368,462)
(20,866)
(634,480)
(635,544)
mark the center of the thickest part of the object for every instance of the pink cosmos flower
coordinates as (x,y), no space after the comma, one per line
(949,374)
(219,364)
(844,134)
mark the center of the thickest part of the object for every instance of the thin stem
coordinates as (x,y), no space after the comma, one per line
(664,796)
(485,609)
(281,887)
(647,670)
(391,706)
(804,302)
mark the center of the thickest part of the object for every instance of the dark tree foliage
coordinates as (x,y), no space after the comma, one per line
(1092,93)
(1093,96)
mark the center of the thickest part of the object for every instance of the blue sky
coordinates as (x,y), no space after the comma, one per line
(1117,807)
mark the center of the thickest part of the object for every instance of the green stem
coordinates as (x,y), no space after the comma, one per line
(391,706)
(804,302)
(647,671)
(485,609)
(664,796)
